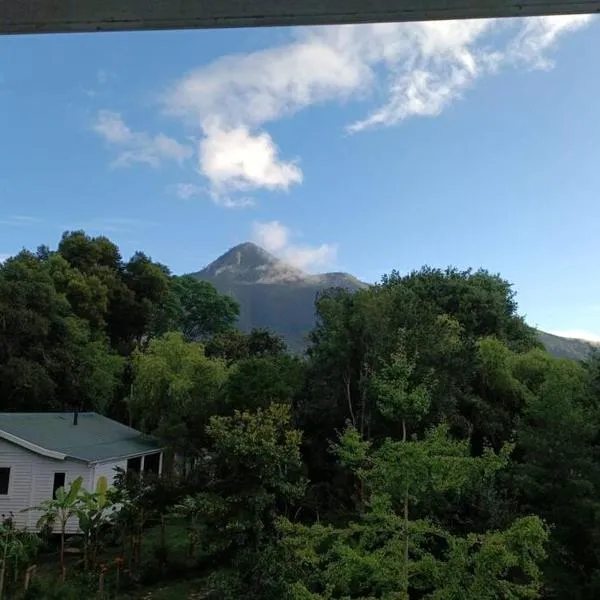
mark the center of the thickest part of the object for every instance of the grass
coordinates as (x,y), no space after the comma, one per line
(180,590)
(180,582)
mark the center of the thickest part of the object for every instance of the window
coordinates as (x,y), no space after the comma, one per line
(59,481)
(4,480)
(134,464)
(152,463)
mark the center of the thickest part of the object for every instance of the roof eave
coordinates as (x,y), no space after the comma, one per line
(126,456)
(9,437)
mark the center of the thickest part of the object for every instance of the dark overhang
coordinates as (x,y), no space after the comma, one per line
(70,16)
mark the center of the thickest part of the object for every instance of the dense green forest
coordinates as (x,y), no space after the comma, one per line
(426,447)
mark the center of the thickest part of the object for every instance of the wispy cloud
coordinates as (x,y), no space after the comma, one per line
(138,147)
(20,221)
(425,67)
(537,36)
(103,76)
(187,191)
(403,71)
(278,239)
(4,257)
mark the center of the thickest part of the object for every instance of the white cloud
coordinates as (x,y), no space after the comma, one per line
(537,36)
(277,238)
(404,70)
(4,257)
(20,221)
(249,90)
(576,334)
(186,191)
(272,235)
(138,147)
(417,70)
(236,160)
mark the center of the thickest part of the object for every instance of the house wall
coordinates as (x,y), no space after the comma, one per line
(107,469)
(31,481)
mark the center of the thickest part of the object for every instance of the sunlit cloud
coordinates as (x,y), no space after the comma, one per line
(276,238)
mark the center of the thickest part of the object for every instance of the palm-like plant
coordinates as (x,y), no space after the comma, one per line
(59,510)
(93,510)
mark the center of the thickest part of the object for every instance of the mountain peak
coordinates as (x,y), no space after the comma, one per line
(246,254)
(249,263)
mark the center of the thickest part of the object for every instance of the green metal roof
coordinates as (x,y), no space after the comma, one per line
(94,438)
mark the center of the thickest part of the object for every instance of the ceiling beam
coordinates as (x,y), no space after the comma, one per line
(70,16)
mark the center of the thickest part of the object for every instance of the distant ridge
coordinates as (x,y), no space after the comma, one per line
(272,293)
(562,347)
(278,296)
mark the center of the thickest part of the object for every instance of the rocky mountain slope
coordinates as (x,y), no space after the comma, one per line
(271,293)
(277,296)
(561,347)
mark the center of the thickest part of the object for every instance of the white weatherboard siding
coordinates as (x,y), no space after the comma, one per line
(31,481)
(107,469)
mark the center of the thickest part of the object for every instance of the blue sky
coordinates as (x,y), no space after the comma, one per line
(361,149)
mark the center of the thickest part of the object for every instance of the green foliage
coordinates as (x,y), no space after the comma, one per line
(250,474)
(426,447)
(397,400)
(257,382)
(176,389)
(389,556)
(198,310)
(234,345)
(49,357)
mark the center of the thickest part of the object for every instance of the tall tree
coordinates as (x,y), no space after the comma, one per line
(198,310)
(49,357)
(176,389)
(558,471)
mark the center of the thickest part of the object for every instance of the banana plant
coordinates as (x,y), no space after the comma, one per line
(93,511)
(59,510)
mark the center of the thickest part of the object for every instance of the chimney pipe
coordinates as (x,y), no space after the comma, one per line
(75,417)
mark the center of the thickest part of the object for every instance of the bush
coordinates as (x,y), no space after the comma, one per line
(54,590)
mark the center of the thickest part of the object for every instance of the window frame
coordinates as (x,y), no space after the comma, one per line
(8,482)
(135,459)
(158,463)
(54,487)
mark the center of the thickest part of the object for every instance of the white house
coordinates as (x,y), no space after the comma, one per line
(41,452)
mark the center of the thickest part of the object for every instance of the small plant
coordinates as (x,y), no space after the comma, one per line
(17,549)
(93,510)
(60,509)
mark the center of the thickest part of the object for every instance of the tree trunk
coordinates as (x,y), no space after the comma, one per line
(405,582)
(349,399)
(3,569)
(85,551)
(163,532)
(95,546)
(63,526)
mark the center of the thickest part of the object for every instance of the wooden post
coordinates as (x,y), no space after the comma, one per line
(29,573)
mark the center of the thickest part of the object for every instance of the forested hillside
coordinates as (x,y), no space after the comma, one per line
(277,296)
(426,447)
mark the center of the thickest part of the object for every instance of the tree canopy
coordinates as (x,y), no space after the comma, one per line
(424,447)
